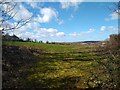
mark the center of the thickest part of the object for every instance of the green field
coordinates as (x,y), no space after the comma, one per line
(37,65)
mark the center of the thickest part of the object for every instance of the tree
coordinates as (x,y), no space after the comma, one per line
(115,7)
(29,40)
(40,41)
(7,13)
(35,40)
(109,64)
(47,42)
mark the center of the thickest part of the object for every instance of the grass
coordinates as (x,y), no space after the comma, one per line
(52,48)
(60,66)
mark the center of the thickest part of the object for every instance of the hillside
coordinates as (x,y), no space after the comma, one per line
(36,65)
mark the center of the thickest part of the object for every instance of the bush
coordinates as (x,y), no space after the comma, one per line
(110,63)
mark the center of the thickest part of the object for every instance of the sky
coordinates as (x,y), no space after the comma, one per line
(66,21)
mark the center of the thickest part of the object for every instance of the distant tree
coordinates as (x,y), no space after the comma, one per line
(40,41)
(35,40)
(28,40)
(47,42)
(53,42)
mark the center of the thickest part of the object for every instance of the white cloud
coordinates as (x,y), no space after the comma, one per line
(75,34)
(108,28)
(60,34)
(1,28)
(60,22)
(33,4)
(34,31)
(26,35)
(22,13)
(47,14)
(103,28)
(91,30)
(70,3)
(48,32)
(6,25)
(51,30)
(112,16)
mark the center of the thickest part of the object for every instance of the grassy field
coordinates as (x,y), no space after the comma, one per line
(39,65)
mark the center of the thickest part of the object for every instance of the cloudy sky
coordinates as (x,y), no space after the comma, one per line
(66,21)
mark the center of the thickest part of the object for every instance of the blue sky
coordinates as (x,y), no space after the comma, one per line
(67,21)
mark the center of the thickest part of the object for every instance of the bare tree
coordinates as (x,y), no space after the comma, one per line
(7,13)
(115,7)
(110,54)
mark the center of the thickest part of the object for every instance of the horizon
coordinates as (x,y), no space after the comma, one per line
(31,40)
(66,21)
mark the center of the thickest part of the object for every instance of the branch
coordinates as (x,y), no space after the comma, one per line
(8,14)
(19,24)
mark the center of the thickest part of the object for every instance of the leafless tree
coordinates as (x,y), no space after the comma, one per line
(7,13)
(115,7)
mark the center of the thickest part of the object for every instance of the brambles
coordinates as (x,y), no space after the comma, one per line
(110,65)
